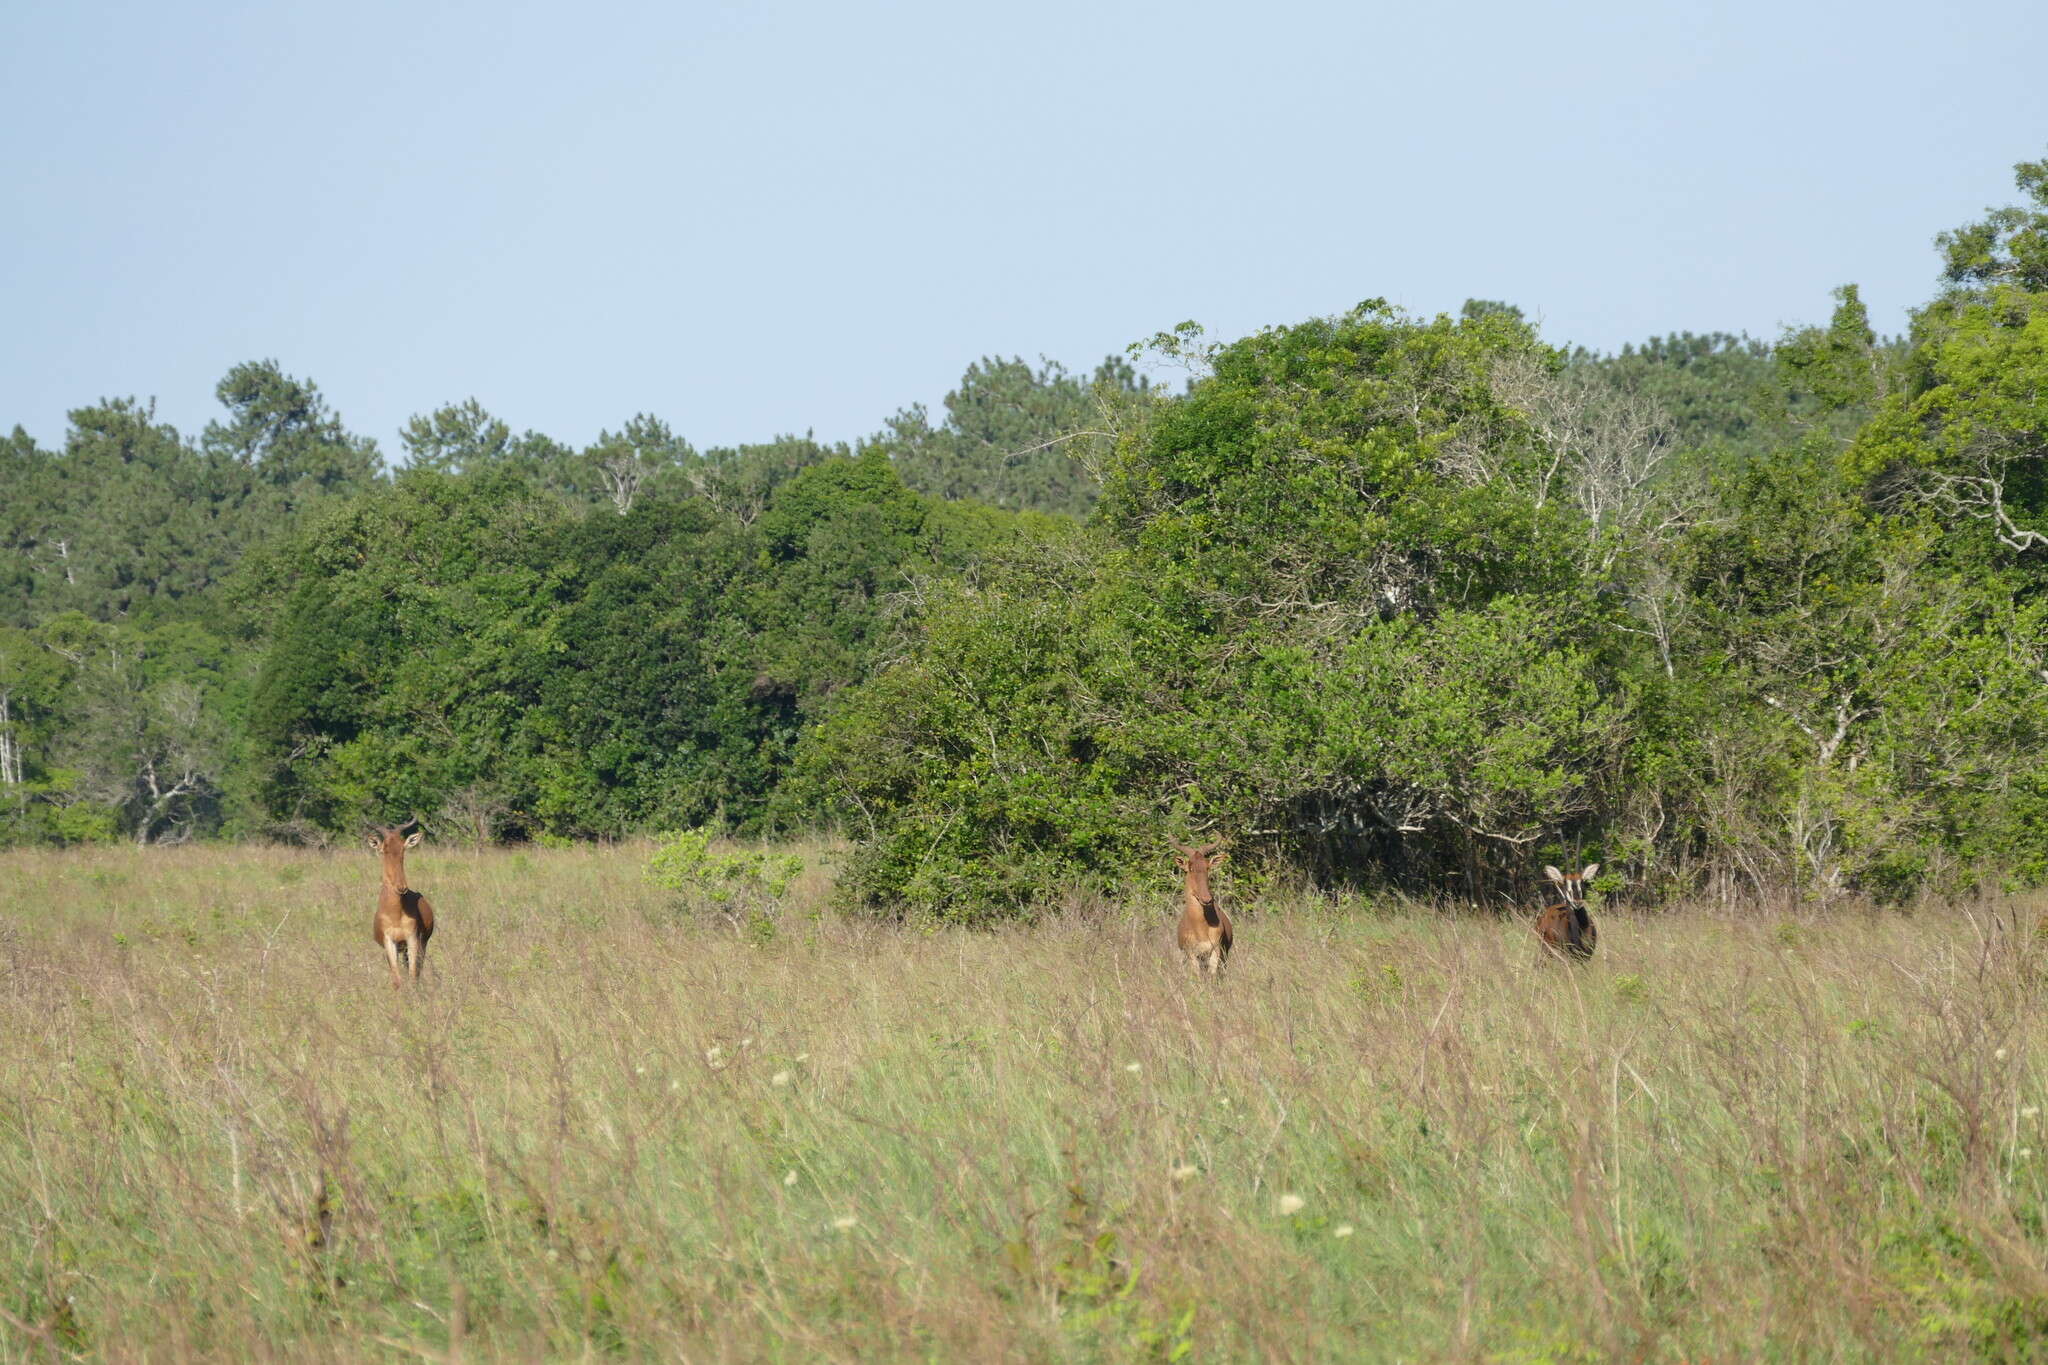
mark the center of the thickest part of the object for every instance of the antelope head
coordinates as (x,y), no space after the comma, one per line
(1572,885)
(393,838)
(1197,863)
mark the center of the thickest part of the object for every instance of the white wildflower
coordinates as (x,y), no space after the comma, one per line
(1290,1204)
(845,1224)
(779,1078)
(2030,1111)
(2001,1054)
(1185,1172)
(1342,1230)
(1134,1068)
(789,1179)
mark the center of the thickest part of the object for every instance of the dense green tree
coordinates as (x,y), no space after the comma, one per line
(282,428)
(1842,368)
(32,680)
(28,474)
(641,455)
(740,480)
(478,647)
(1314,573)
(1015,437)
(142,724)
(40,800)
(2010,246)
(1707,387)
(648,715)
(1415,601)
(455,438)
(127,518)
(413,636)
(1967,431)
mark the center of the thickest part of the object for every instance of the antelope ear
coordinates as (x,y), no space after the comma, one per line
(1591,868)
(377,843)
(1216,860)
(413,839)
(1553,874)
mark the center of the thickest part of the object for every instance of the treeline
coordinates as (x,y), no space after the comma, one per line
(1389,600)
(264,633)
(1427,603)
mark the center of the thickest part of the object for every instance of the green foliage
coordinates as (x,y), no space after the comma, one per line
(128,519)
(2010,247)
(411,641)
(728,878)
(1972,1295)
(114,725)
(743,885)
(1405,600)
(456,438)
(1294,621)
(1842,366)
(1708,385)
(475,645)
(1016,437)
(283,430)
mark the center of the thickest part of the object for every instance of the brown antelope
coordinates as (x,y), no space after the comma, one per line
(1564,926)
(405,921)
(1204,929)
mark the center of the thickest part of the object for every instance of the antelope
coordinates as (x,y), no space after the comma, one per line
(1204,933)
(1564,926)
(405,921)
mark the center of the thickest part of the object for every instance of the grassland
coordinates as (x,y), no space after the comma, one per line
(610,1125)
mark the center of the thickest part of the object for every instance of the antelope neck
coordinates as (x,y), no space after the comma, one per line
(394,871)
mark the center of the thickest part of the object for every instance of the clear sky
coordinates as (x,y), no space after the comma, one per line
(750,219)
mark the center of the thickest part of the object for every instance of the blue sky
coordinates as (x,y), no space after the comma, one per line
(758,218)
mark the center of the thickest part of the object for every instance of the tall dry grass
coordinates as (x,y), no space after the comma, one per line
(608,1126)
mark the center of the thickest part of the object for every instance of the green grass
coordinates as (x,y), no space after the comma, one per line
(608,1126)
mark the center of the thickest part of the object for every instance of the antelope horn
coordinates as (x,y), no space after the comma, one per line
(410,823)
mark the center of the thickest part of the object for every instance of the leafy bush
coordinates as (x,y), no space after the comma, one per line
(733,881)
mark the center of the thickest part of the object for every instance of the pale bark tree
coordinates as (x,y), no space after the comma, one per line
(10,744)
(1604,448)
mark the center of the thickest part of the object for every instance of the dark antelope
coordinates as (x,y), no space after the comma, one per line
(1204,929)
(405,921)
(1564,926)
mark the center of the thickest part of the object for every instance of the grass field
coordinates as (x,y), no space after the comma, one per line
(606,1126)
